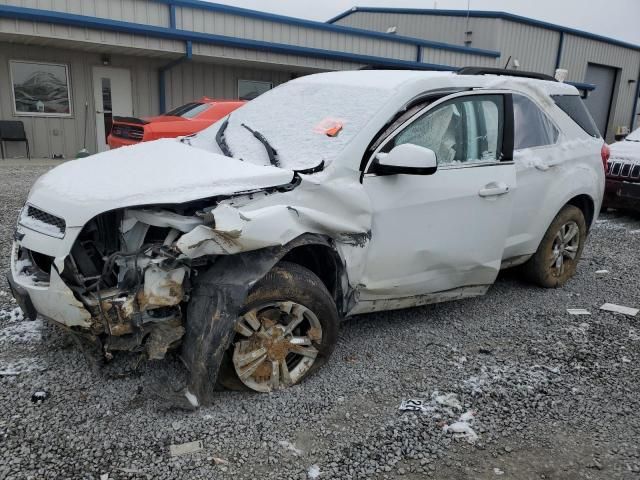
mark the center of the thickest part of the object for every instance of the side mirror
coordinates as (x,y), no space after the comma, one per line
(408,159)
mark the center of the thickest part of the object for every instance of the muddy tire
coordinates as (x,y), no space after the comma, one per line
(286,331)
(559,252)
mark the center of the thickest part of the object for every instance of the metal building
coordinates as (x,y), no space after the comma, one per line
(611,66)
(67,66)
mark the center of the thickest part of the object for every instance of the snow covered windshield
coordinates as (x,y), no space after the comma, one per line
(305,121)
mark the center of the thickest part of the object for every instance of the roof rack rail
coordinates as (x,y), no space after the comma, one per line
(427,67)
(502,71)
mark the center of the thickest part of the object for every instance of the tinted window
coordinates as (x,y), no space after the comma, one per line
(573,106)
(531,127)
(463,130)
(188,110)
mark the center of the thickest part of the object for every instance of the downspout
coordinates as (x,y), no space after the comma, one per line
(559,54)
(162,74)
(634,109)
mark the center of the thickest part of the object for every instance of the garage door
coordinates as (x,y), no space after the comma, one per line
(599,101)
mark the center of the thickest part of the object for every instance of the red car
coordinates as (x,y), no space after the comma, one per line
(184,120)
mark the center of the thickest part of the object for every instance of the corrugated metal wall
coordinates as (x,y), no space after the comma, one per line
(256,29)
(439,28)
(191,80)
(534,47)
(578,52)
(48,135)
(139,11)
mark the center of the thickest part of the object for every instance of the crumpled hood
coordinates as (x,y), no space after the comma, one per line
(627,150)
(164,171)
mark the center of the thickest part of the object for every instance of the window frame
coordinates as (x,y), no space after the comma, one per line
(505,135)
(253,81)
(67,71)
(549,118)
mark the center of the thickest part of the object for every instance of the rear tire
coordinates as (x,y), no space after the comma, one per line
(556,259)
(289,293)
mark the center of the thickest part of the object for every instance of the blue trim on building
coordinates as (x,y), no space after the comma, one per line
(37,15)
(488,14)
(634,110)
(162,100)
(172,16)
(244,12)
(560,47)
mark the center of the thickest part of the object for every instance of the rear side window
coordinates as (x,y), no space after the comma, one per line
(531,126)
(188,110)
(573,106)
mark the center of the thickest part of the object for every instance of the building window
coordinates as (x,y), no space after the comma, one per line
(250,89)
(40,89)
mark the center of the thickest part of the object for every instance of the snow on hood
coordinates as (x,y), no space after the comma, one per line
(164,171)
(626,149)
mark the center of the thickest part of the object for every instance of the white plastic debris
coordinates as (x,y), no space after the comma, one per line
(313,472)
(578,311)
(602,272)
(497,471)
(185,448)
(612,307)
(462,428)
(447,400)
(291,447)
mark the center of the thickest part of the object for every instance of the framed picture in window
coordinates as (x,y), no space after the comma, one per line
(40,89)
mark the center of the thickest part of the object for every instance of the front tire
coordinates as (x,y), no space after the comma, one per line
(287,330)
(556,259)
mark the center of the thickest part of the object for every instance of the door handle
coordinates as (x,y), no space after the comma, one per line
(493,189)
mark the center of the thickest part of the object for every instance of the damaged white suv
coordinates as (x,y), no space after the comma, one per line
(332,195)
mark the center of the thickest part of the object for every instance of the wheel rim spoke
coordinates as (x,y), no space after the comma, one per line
(571,232)
(304,351)
(249,369)
(297,312)
(252,319)
(243,330)
(284,372)
(275,374)
(243,359)
(300,341)
(571,252)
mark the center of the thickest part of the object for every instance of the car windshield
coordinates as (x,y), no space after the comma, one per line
(306,122)
(188,110)
(634,136)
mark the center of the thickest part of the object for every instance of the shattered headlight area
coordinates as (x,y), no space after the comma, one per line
(126,272)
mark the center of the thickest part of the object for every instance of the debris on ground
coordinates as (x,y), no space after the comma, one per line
(578,311)
(612,307)
(602,272)
(497,471)
(462,428)
(219,461)
(313,472)
(185,448)
(40,396)
(291,447)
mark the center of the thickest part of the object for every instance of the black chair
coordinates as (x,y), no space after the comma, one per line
(13,131)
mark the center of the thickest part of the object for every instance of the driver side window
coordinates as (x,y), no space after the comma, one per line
(464,130)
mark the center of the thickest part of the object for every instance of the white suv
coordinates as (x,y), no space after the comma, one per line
(332,195)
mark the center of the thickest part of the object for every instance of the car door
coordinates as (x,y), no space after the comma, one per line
(535,156)
(438,232)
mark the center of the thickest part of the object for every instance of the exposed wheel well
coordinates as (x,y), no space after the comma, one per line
(584,203)
(324,262)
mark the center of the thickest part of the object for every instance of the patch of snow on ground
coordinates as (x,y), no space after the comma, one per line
(313,472)
(290,446)
(22,365)
(462,428)
(13,315)
(22,332)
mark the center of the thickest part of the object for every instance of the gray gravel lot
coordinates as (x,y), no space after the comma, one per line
(554,396)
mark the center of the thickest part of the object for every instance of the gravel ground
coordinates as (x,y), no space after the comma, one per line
(548,395)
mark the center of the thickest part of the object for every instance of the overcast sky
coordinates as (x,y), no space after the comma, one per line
(613,18)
